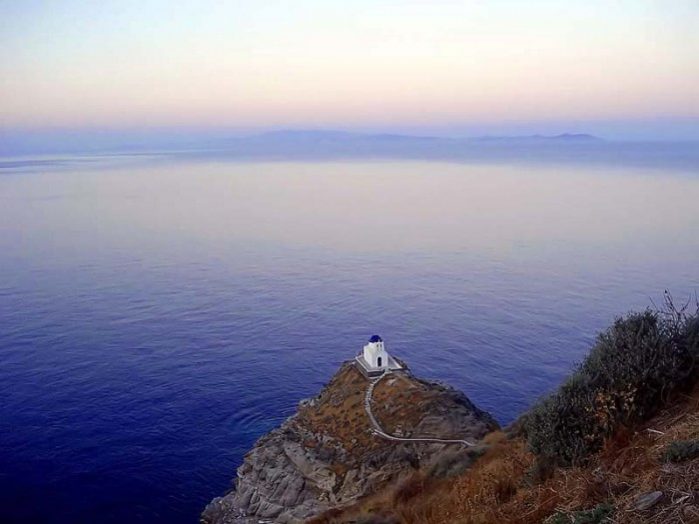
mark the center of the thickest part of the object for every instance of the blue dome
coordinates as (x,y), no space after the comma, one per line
(375,338)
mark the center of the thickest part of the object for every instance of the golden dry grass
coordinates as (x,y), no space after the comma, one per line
(339,411)
(501,486)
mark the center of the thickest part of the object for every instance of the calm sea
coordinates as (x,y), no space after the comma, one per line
(157,315)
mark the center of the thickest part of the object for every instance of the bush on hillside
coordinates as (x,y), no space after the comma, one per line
(630,372)
(690,334)
(681,450)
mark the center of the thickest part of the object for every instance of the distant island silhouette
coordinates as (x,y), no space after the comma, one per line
(321,136)
(329,144)
(564,137)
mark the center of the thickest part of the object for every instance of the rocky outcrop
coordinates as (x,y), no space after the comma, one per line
(326,455)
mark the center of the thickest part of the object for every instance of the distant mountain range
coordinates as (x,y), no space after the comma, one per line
(312,144)
(105,141)
(295,142)
(321,137)
(565,137)
(562,148)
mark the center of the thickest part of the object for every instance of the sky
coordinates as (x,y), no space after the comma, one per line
(624,68)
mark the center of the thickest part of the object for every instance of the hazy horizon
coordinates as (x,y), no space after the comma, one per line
(623,71)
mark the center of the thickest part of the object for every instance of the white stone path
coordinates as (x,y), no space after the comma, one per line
(377,430)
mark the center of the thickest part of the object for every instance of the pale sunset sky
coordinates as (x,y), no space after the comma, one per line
(467,67)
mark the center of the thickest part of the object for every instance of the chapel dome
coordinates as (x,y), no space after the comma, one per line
(375,338)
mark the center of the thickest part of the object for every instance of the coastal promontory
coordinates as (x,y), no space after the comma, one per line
(361,432)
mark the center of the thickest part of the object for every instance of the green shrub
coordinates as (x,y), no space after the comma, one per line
(690,334)
(597,515)
(681,450)
(630,371)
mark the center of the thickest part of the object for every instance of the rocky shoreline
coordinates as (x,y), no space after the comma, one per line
(327,456)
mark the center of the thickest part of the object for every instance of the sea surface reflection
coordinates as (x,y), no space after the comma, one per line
(159,315)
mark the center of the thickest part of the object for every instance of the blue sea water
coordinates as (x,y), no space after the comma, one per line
(158,315)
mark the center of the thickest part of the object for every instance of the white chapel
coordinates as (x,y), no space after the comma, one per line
(374,359)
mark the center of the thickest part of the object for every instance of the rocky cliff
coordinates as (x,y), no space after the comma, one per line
(327,456)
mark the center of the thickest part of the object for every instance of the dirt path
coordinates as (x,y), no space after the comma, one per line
(376,427)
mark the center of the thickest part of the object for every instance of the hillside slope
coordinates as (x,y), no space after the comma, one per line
(618,441)
(506,485)
(326,455)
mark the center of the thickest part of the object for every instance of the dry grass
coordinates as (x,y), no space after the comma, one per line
(400,402)
(501,486)
(340,411)
(336,427)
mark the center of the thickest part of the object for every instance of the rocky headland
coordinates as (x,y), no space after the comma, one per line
(328,454)
(617,442)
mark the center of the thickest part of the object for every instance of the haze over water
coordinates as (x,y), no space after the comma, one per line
(160,314)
